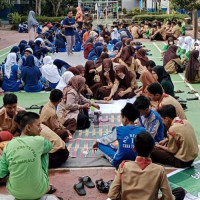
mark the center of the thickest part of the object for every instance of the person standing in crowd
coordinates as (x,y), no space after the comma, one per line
(69,25)
(79,17)
(32,25)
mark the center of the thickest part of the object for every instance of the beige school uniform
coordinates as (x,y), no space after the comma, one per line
(49,117)
(176,31)
(133,183)
(7,123)
(166,100)
(135,32)
(182,140)
(48,134)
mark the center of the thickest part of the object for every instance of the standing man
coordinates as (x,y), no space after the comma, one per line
(69,25)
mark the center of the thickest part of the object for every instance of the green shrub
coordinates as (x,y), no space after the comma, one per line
(163,17)
(124,11)
(14,17)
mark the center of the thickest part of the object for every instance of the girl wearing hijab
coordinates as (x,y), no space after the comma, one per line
(115,36)
(22,45)
(76,106)
(164,79)
(107,79)
(74,70)
(106,35)
(187,47)
(32,25)
(127,59)
(88,46)
(92,80)
(192,72)
(64,80)
(141,57)
(180,51)
(96,53)
(40,51)
(146,78)
(31,75)
(11,74)
(124,84)
(60,42)
(50,72)
(86,90)
(61,65)
(170,43)
(101,59)
(16,50)
(171,62)
(79,17)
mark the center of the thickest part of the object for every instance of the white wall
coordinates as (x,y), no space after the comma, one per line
(130,4)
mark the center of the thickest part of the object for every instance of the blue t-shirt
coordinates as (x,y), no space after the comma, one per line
(69,21)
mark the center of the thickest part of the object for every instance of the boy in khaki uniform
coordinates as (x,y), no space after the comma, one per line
(156,94)
(135,32)
(7,113)
(142,179)
(180,148)
(49,117)
(175,32)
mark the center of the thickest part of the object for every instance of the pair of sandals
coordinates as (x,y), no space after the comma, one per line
(103,186)
(79,187)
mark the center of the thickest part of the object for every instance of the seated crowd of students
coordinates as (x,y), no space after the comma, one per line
(155,127)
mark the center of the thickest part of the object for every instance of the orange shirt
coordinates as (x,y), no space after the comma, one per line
(85,36)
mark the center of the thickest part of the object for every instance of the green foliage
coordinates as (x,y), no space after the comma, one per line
(4,4)
(74,11)
(135,11)
(14,17)
(163,17)
(185,4)
(124,11)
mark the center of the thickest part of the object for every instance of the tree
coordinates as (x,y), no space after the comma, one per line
(185,4)
(38,7)
(56,6)
(4,4)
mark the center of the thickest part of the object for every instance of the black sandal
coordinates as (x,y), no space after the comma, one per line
(79,188)
(103,186)
(33,107)
(193,98)
(88,182)
(52,189)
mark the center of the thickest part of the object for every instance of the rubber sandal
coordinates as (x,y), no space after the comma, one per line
(193,98)
(79,188)
(52,189)
(192,92)
(178,91)
(33,107)
(88,182)
(103,186)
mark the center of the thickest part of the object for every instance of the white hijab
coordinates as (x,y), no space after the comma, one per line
(115,34)
(181,42)
(188,43)
(65,78)
(49,70)
(10,61)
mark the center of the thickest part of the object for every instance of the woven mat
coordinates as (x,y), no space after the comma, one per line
(83,140)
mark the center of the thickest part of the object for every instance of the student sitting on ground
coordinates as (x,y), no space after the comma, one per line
(172,62)
(142,179)
(156,94)
(124,84)
(180,148)
(164,79)
(160,34)
(11,74)
(59,153)
(27,156)
(149,119)
(175,32)
(124,135)
(31,75)
(75,106)
(7,113)
(49,117)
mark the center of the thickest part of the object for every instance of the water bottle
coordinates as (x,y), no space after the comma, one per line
(96,119)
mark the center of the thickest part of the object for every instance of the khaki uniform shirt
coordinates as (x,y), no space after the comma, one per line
(56,141)
(133,183)
(7,123)
(166,100)
(176,31)
(49,117)
(182,140)
(134,32)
